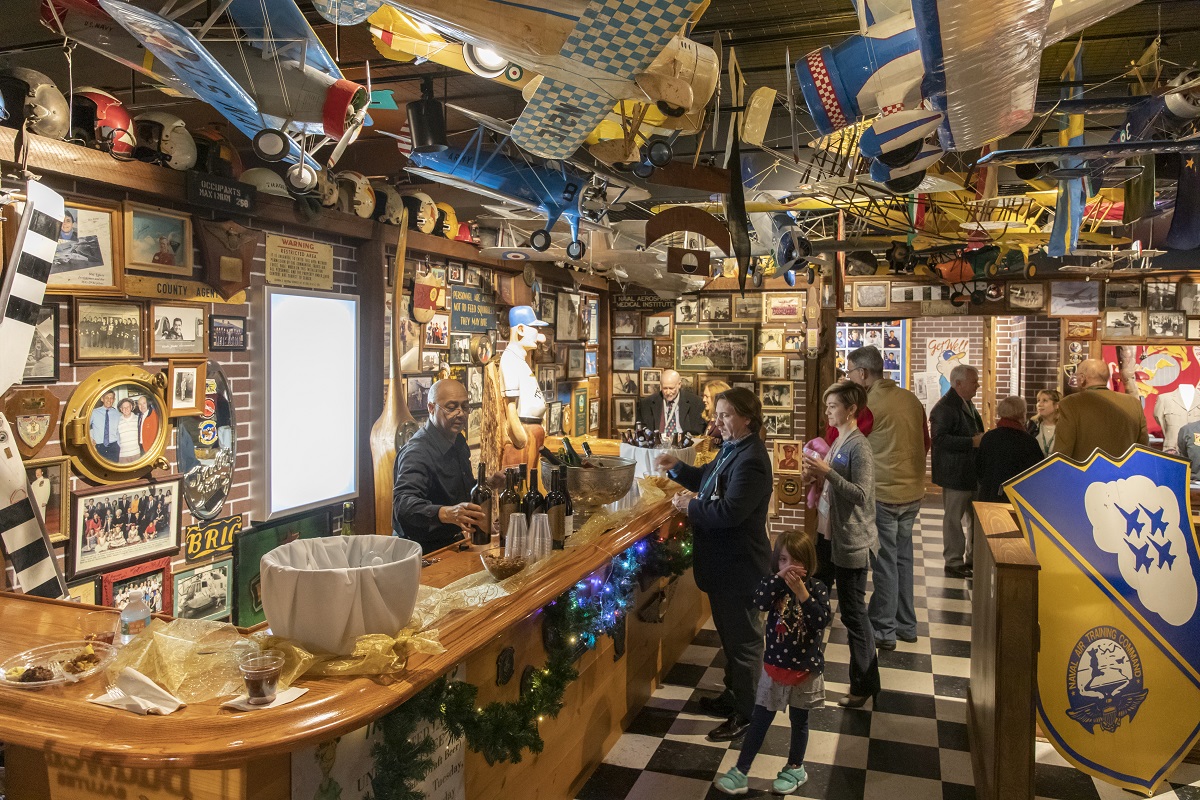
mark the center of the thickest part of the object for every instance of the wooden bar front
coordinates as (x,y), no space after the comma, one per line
(59,746)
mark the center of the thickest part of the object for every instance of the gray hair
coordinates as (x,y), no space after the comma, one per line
(868,359)
(1012,408)
(961,372)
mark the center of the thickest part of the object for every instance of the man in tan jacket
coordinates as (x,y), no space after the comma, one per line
(1098,418)
(899,440)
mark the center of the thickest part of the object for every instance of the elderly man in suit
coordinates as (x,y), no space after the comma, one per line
(1098,418)
(672,409)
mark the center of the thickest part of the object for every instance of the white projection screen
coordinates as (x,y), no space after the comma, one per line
(308,435)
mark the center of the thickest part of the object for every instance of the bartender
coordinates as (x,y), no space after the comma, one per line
(431,499)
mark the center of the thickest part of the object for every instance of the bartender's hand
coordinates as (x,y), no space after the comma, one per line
(665,462)
(496,480)
(464,515)
(680,501)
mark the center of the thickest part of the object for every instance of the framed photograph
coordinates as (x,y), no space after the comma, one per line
(41,364)
(624,412)
(1074,298)
(117,525)
(417,391)
(591,321)
(185,382)
(770,367)
(778,424)
(431,360)
(793,341)
(579,411)
(250,546)
(1189,299)
(770,339)
(88,257)
(85,590)
(627,322)
(660,326)
(179,330)
(49,486)
(548,307)
(1160,296)
(687,311)
(1124,324)
(474,432)
(1026,296)
(455,272)
(568,318)
(747,308)
(547,376)
(1166,324)
(1193,328)
(152,579)
(776,394)
(1081,329)
(625,383)
(554,418)
(226,334)
(1123,294)
(474,385)
(784,307)
(590,363)
(204,592)
(632,354)
(576,362)
(594,414)
(699,350)
(716,308)
(107,331)
(651,381)
(460,349)
(473,277)
(157,239)
(787,456)
(796,369)
(871,296)
(437,331)
(664,354)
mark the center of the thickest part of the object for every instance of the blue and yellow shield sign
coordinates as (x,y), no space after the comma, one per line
(1119,662)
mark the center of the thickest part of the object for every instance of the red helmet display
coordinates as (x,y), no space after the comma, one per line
(100,120)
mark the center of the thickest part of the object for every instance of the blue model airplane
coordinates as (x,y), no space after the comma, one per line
(554,188)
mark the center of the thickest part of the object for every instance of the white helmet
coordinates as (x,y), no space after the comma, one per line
(422,212)
(162,138)
(327,188)
(388,203)
(355,195)
(30,95)
(266,181)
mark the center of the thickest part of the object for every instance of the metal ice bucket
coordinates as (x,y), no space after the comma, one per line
(591,488)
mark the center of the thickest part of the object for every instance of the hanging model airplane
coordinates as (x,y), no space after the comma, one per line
(267,73)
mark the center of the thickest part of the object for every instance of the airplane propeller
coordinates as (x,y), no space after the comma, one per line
(357,119)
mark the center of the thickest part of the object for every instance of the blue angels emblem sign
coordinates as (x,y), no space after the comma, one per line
(1119,663)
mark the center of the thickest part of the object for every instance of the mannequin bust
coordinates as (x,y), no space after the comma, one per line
(524,403)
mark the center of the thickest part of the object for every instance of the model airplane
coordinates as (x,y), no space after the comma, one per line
(590,56)
(268,73)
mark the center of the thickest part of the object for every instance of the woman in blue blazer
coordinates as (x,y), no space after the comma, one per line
(727,504)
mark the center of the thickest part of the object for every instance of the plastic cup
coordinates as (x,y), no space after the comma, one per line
(517,543)
(261,673)
(98,626)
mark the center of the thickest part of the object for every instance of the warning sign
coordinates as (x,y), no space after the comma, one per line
(299,262)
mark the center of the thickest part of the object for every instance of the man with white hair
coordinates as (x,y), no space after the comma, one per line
(956,428)
(1006,451)
(1098,418)
(672,409)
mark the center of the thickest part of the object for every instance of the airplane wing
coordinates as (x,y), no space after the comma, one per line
(491,123)
(465,185)
(1115,151)
(558,118)
(525,254)
(184,55)
(286,22)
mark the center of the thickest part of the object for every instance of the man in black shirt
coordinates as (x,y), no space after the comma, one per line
(431,499)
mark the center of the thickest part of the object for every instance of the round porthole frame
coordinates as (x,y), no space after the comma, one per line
(78,444)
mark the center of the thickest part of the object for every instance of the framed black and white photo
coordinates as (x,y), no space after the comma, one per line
(548,307)
(460,349)
(796,369)
(42,364)
(1193,329)
(473,276)
(116,525)
(226,334)
(475,385)
(1026,296)
(778,424)
(687,311)
(108,331)
(660,326)
(625,383)
(417,391)
(1189,299)
(204,592)
(770,340)
(626,322)
(575,362)
(569,318)
(547,376)
(775,394)
(1166,325)
(624,412)
(1124,324)
(716,308)
(1074,298)
(747,308)
(554,418)
(179,330)
(651,381)
(1123,294)
(632,354)
(594,414)
(1160,295)
(770,367)
(871,296)
(185,388)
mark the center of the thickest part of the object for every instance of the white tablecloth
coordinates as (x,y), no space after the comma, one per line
(644,457)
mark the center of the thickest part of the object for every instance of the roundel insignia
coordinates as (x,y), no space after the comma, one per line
(789,489)
(208,433)
(514,255)
(1104,680)
(514,73)
(210,407)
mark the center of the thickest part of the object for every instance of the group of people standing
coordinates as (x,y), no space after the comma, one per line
(122,432)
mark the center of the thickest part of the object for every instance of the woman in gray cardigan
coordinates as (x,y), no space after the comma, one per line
(846,515)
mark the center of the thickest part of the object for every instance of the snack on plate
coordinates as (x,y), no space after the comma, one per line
(38,673)
(86,659)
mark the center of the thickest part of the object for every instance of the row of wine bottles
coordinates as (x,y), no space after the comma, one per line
(568,456)
(519,497)
(645,437)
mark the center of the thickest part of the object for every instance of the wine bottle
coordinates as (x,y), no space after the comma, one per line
(573,459)
(535,501)
(481,496)
(546,454)
(587,449)
(510,502)
(522,469)
(556,510)
(569,525)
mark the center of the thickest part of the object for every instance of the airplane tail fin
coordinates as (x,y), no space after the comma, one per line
(404,140)
(1072,193)
(1185,225)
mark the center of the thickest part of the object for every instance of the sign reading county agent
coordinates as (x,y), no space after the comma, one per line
(471,310)
(301,263)
(1119,664)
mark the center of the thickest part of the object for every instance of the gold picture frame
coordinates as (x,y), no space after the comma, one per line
(89,258)
(158,239)
(53,498)
(98,455)
(185,386)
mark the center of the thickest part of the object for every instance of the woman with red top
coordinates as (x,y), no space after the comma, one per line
(1005,451)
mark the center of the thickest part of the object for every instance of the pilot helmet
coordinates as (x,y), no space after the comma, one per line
(101,121)
(216,155)
(422,212)
(266,181)
(163,139)
(327,188)
(355,195)
(388,203)
(447,221)
(31,97)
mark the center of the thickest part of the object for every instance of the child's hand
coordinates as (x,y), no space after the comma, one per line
(794,578)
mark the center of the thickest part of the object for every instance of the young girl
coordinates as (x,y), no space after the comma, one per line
(797,607)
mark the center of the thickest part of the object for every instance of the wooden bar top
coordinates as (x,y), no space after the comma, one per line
(59,720)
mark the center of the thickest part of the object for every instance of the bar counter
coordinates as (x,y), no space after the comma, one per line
(245,755)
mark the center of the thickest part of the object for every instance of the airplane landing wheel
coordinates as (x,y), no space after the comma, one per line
(905,184)
(270,145)
(575,250)
(540,240)
(659,153)
(901,155)
(301,179)
(810,274)
(756,276)
(643,169)
(670,110)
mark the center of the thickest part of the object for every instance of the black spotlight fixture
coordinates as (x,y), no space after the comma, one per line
(427,121)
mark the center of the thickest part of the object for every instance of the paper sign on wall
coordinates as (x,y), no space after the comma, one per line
(471,310)
(302,263)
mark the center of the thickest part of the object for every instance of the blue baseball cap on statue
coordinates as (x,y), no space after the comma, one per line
(524,315)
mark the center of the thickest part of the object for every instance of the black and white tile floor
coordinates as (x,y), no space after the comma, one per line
(910,743)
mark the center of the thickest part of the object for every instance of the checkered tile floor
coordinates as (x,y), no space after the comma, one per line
(910,743)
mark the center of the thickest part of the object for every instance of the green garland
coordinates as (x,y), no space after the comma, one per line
(503,731)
